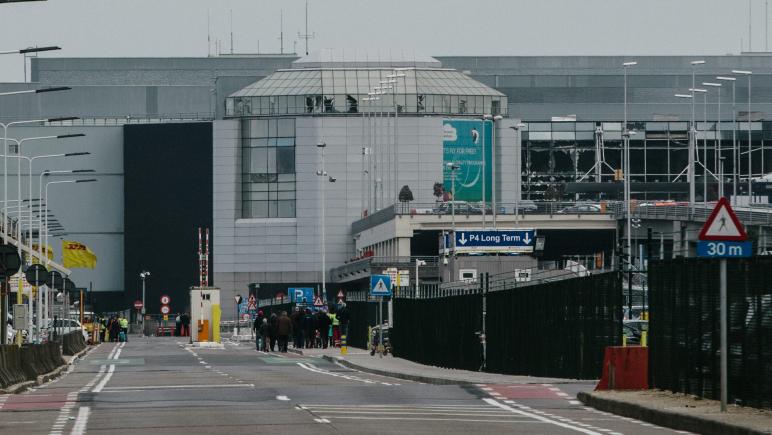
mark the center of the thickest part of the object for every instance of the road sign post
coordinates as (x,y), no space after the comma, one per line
(723,236)
(380,285)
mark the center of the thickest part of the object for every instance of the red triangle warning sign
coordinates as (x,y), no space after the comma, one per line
(723,225)
(318,302)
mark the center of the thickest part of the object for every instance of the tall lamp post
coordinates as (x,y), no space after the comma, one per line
(693,140)
(717,151)
(325,179)
(734,132)
(5,159)
(750,143)
(453,167)
(143,275)
(627,187)
(704,162)
(495,119)
(89,180)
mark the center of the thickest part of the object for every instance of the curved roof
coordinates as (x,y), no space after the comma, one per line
(361,81)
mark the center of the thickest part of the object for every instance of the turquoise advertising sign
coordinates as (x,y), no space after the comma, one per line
(463,143)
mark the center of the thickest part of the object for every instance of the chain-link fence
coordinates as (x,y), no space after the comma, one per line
(684,328)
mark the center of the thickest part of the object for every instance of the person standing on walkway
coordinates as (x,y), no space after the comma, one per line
(256,328)
(308,328)
(273,324)
(335,331)
(265,335)
(185,321)
(297,327)
(124,324)
(323,323)
(283,331)
(178,325)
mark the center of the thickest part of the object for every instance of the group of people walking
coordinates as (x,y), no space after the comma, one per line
(116,328)
(306,328)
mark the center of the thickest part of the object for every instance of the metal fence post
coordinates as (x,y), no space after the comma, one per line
(485,283)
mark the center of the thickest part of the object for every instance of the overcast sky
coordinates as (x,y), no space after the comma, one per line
(134,28)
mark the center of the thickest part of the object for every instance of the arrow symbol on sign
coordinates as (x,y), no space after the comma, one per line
(527,239)
(463,239)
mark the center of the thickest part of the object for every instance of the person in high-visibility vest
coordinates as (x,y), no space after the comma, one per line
(124,322)
(335,329)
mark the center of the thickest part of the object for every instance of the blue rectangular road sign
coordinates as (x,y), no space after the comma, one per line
(495,240)
(716,249)
(380,285)
(301,295)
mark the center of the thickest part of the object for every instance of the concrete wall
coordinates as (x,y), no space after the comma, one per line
(92,213)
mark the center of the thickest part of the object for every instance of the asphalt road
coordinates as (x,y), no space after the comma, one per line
(159,385)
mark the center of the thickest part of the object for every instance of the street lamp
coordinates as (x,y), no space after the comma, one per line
(46,173)
(626,165)
(750,144)
(143,275)
(323,173)
(5,159)
(89,180)
(704,162)
(690,164)
(19,143)
(693,139)
(31,49)
(734,133)
(453,168)
(519,167)
(717,148)
(495,119)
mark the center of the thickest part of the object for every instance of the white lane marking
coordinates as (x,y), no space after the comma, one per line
(398,406)
(80,423)
(421,412)
(321,420)
(512,420)
(574,402)
(538,417)
(180,387)
(101,385)
(282,398)
(315,369)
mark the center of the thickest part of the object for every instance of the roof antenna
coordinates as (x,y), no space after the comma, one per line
(231,31)
(208,33)
(306,36)
(281,31)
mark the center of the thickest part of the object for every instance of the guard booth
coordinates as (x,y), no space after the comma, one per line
(205,314)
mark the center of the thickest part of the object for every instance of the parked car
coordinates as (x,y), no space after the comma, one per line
(63,326)
(633,330)
(581,209)
(461,207)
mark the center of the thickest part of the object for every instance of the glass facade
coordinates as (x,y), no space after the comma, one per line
(341,91)
(555,153)
(268,168)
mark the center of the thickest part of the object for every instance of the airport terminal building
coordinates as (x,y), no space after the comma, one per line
(249,146)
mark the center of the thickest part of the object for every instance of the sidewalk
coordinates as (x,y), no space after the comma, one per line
(681,412)
(360,359)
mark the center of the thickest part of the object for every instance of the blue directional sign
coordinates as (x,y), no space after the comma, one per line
(520,240)
(301,295)
(380,285)
(719,249)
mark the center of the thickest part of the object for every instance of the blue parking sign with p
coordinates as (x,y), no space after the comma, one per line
(380,285)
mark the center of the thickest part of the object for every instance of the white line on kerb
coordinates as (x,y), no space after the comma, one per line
(80,422)
(282,398)
(539,417)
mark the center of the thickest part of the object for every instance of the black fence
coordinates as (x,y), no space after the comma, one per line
(557,329)
(363,315)
(684,328)
(439,332)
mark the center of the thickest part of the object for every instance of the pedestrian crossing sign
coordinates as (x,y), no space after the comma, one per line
(723,225)
(380,285)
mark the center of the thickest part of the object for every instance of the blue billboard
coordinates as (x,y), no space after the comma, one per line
(466,144)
